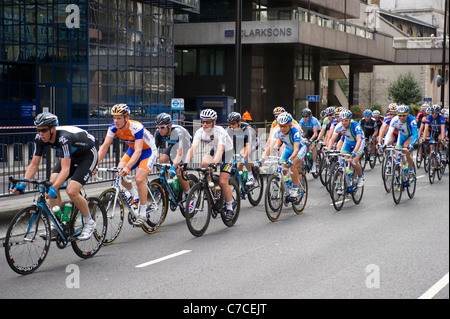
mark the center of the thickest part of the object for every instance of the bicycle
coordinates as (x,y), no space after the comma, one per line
(343,182)
(387,168)
(29,234)
(252,191)
(366,156)
(205,199)
(174,197)
(435,163)
(278,189)
(331,166)
(424,156)
(401,178)
(308,161)
(115,201)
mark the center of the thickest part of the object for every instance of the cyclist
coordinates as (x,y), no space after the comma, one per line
(391,112)
(245,136)
(310,126)
(220,152)
(141,154)
(378,119)
(277,111)
(354,141)
(435,126)
(422,138)
(294,151)
(406,124)
(177,138)
(422,114)
(78,160)
(370,128)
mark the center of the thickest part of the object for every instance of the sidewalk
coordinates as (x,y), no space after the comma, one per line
(10,205)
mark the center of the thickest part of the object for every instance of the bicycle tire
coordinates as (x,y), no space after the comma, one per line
(274,196)
(397,183)
(330,173)
(115,219)
(441,166)
(338,188)
(387,171)
(90,247)
(322,170)
(300,203)
(198,210)
(26,256)
(253,196)
(157,205)
(373,161)
(357,194)
(419,158)
(236,203)
(432,168)
(411,189)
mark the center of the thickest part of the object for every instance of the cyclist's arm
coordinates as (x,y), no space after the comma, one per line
(332,138)
(218,155)
(426,131)
(382,133)
(33,167)
(295,152)
(442,135)
(178,157)
(190,153)
(375,133)
(389,135)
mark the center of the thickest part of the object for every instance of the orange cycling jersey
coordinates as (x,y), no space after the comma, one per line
(135,131)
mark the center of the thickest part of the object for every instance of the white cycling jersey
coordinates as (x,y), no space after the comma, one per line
(217,136)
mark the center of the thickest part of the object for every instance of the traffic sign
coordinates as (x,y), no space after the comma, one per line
(313,98)
(177,104)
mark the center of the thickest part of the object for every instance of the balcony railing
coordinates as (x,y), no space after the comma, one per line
(419,43)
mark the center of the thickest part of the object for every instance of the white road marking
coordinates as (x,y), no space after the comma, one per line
(436,288)
(163,258)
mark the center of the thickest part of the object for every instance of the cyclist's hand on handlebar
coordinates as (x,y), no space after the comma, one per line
(213,167)
(18,189)
(95,171)
(125,171)
(51,193)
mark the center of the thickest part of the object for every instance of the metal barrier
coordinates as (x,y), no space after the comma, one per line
(16,152)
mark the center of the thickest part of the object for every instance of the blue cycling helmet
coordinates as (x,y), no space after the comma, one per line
(46,119)
(367,113)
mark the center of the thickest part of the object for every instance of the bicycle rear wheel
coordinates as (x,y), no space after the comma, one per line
(156,208)
(27,240)
(300,203)
(236,202)
(397,183)
(357,193)
(274,198)
(419,158)
(88,248)
(338,188)
(441,166)
(255,192)
(115,211)
(198,210)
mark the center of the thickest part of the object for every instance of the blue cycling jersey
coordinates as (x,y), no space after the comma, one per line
(435,123)
(289,139)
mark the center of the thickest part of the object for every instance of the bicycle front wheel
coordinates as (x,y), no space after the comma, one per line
(338,188)
(255,192)
(198,210)
(411,189)
(27,240)
(115,211)
(397,183)
(300,203)
(156,208)
(274,198)
(88,248)
(432,166)
(387,172)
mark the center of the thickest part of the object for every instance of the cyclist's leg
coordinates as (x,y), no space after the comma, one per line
(409,154)
(146,162)
(123,162)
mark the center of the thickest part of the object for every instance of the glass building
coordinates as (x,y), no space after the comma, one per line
(78,58)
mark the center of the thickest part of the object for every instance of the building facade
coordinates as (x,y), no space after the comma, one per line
(78,58)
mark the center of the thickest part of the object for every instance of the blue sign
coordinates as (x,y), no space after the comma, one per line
(428,99)
(229,33)
(313,98)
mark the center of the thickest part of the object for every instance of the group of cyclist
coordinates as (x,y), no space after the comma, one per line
(80,158)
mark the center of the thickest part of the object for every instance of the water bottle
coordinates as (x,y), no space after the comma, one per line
(57,211)
(218,190)
(350,172)
(66,215)
(245,176)
(310,156)
(211,185)
(176,184)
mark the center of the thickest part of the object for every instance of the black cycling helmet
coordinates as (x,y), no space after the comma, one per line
(163,119)
(306,112)
(234,117)
(46,119)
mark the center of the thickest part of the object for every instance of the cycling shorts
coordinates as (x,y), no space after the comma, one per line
(349,147)
(81,167)
(288,152)
(146,160)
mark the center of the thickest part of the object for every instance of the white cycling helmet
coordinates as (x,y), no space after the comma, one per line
(208,114)
(284,118)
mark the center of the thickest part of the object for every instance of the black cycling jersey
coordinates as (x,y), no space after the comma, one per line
(368,127)
(76,144)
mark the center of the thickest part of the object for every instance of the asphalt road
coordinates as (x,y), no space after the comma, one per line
(372,250)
